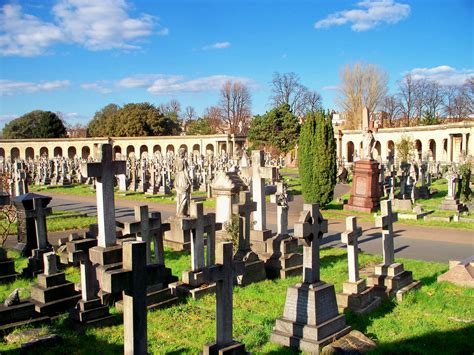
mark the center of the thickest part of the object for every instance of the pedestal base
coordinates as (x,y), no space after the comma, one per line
(310,319)
(357,297)
(18,316)
(451,204)
(365,194)
(234,348)
(35,263)
(92,312)
(177,238)
(253,269)
(7,271)
(392,281)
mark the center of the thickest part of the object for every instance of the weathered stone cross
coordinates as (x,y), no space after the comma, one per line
(385,221)
(244,209)
(39,213)
(146,228)
(132,281)
(105,172)
(281,199)
(310,229)
(350,237)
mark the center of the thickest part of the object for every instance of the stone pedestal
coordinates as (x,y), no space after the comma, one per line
(392,281)
(7,268)
(232,348)
(253,269)
(365,194)
(357,297)
(53,294)
(281,256)
(104,259)
(35,263)
(310,318)
(93,313)
(451,204)
(18,316)
(177,238)
(193,285)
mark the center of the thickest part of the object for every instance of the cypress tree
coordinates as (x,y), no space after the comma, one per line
(306,160)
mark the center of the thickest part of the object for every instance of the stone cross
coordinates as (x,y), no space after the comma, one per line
(199,223)
(131,280)
(258,172)
(452,184)
(50,266)
(244,209)
(39,213)
(281,199)
(105,172)
(310,229)
(222,275)
(385,221)
(350,237)
(146,228)
(89,284)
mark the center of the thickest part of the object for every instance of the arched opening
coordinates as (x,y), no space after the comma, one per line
(143,149)
(58,151)
(86,151)
(445,150)
(2,153)
(184,146)
(390,150)
(377,152)
(196,149)
(350,152)
(44,152)
(432,148)
(14,153)
(170,148)
(418,148)
(209,149)
(156,148)
(130,150)
(29,153)
(117,152)
(71,152)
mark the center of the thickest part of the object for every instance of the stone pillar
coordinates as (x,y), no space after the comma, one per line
(450,148)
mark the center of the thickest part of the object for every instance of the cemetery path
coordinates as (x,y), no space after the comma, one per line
(416,242)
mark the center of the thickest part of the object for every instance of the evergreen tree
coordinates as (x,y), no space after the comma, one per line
(35,124)
(306,157)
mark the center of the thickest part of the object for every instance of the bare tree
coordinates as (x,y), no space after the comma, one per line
(406,97)
(458,102)
(189,113)
(312,101)
(173,106)
(421,87)
(391,107)
(214,116)
(434,98)
(362,85)
(234,104)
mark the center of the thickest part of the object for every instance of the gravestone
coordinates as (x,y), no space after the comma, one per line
(310,318)
(460,273)
(53,294)
(280,252)
(253,269)
(390,278)
(355,295)
(222,275)
(7,268)
(193,283)
(451,201)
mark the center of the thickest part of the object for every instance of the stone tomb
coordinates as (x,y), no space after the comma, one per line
(53,294)
(253,269)
(355,295)
(148,228)
(193,283)
(7,268)
(310,318)
(460,273)
(390,278)
(222,275)
(280,252)
(451,201)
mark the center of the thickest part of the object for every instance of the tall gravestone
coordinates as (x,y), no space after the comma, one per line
(310,317)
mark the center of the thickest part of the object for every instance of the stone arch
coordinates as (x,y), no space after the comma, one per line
(170,148)
(143,149)
(130,150)
(29,153)
(156,148)
(86,151)
(350,151)
(117,152)
(196,149)
(184,146)
(445,150)
(71,152)
(44,152)
(58,151)
(2,153)
(418,148)
(390,150)
(210,148)
(432,149)
(377,152)
(14,153)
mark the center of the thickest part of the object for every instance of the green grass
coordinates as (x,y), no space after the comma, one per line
(428,321)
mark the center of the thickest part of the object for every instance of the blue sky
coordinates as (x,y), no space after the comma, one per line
(76,56)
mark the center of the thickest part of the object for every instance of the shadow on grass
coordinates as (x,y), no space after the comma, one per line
(334,206)
(329,260)
(457,341)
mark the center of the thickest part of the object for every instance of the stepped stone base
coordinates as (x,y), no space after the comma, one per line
(234,348)
(251,267)
(192,285)
(155,299)
(20,315)
(35,263)
(176,238)
(310,319)
(357,297)
(7,271)
(451,204)
(392,281)
(92,313)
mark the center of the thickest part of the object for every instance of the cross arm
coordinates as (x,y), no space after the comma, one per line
(91,169)
(115,281)
(33,213)
(268,172)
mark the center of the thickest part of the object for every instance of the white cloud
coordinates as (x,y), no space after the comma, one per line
(10,87)
(217,45)
(371,14)
(96,25)
(97,86)
(443,74)
(7,117)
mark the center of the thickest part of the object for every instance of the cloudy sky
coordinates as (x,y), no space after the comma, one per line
(76,56)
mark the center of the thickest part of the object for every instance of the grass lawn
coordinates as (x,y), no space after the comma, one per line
(433,319)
